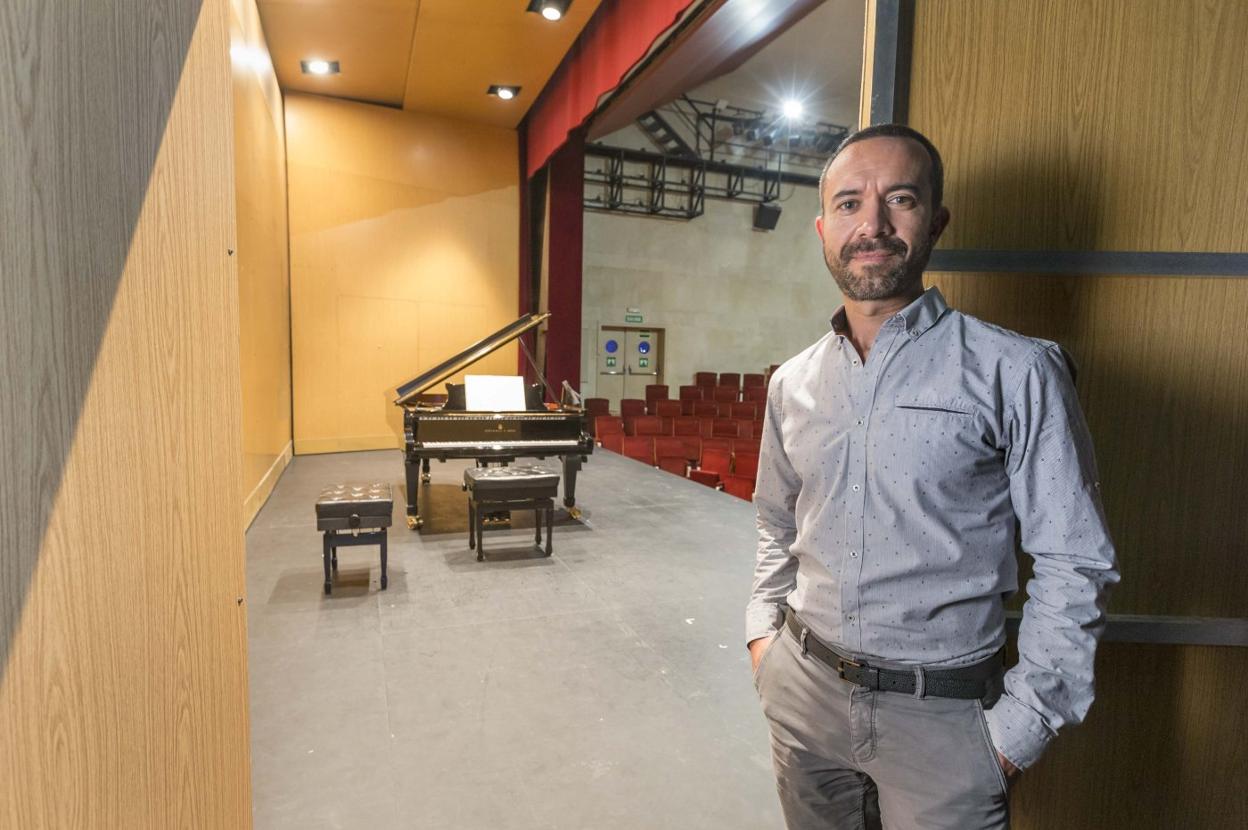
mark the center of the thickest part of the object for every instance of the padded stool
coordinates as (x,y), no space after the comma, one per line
(509,488)
(353,508)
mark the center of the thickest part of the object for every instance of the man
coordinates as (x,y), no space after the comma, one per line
(899,454)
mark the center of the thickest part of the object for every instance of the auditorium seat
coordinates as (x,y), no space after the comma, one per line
(686,426)
(669,411)
(751,381)
(693,448)
(726,394)
(724,444)
(705,477)
(745,464)
(745,409)
(746,445)
(688,395)
(715,461)
(640,448)
(644,425)
(742,488)
(669,452)
(732,379)
(630,408)
(613,441)
(607,425)
(656,392)
(755,394)
(705,409)
(705,378)
(726,428)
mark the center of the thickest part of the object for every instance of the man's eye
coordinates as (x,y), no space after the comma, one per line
(847,205)
(902,199)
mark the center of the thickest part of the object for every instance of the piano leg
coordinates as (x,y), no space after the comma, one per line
(571,466)
(424,470)
(412,469)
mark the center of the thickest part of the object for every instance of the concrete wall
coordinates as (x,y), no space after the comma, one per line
(729,298)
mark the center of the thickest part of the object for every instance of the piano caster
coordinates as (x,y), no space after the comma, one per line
(574,512)
(424,479)
(415,522)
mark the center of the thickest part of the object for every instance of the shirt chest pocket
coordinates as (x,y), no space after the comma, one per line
(934,436)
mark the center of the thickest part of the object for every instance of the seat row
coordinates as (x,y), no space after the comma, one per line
(655,425)
(728,464)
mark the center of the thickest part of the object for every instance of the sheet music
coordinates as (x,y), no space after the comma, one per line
(494,393)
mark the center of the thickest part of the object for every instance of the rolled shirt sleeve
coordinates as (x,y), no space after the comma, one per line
(775,497)
(1056,497)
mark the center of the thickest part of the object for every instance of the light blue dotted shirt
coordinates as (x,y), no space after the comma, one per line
(891,495)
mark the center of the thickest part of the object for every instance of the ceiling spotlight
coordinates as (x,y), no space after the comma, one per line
(317,66)
(504,92)
(792,108)
(550,9)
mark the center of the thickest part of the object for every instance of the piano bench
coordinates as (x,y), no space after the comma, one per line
(510,488)
(353,514)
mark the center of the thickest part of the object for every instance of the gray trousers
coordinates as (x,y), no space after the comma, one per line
(850,758)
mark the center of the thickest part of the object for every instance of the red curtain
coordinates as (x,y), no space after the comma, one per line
(563,333)
(617,36)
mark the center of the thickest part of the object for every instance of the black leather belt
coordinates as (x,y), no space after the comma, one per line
(975,681)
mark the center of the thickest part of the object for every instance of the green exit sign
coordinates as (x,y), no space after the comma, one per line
(632,318)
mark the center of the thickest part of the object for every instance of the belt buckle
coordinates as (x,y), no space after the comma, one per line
(868,677)
(841,663)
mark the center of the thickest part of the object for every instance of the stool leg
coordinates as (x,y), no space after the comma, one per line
(550,530)
(477,520)
(326,552)
(472,526)
(384,581)
(333,560)
(537,525)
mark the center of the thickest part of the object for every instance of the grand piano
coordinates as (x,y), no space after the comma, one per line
(444,429)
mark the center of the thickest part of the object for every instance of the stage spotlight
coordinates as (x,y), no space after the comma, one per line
(792,109)
(550,9)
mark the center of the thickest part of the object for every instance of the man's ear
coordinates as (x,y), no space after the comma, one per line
(940,221)
(819,226)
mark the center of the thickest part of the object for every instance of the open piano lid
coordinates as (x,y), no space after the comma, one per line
(407,392)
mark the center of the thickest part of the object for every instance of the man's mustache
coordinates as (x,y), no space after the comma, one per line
(890,245)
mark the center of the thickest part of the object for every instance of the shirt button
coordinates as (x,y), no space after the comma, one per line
(850,618)
(856,488)
(855,362)
(853,554)
(860,424)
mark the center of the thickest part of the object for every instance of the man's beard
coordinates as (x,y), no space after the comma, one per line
(878,280)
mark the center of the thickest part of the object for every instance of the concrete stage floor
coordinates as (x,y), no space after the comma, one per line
(604,687)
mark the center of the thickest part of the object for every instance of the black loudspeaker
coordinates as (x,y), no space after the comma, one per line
(766,216)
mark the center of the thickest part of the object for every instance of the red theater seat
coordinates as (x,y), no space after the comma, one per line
(656,392)
(640,448)
(726,394)
(705,409)
(645,425)
(751,381)
(607,425)
(732,379)
(705,378)
(744,410)
(613,441)
(742,488)
(755,394)
(715,461)
(745,464)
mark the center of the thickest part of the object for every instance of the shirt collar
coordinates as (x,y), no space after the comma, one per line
(917,317)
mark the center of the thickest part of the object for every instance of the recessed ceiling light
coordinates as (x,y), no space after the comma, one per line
(318,66)
(504,92)
(793,109)
(550,9)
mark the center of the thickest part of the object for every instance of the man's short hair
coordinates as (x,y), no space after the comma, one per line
(893,131)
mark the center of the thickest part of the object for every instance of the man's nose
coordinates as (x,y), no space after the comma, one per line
(875,221)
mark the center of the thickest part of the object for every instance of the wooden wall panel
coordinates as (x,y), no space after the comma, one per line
(404,250)
(263,258)
(1159,748)
(123,690)
(1163,377)
(1121,125)
(1116,125)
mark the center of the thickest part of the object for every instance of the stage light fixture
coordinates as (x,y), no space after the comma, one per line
(550,9)
(318,66)
(792,109)
(506,93)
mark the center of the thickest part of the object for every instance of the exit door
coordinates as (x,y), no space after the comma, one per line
(628,361)
(642,362)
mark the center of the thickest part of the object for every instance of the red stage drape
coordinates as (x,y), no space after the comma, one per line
(563,333)
(617,36)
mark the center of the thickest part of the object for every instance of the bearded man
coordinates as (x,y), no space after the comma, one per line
(904,457)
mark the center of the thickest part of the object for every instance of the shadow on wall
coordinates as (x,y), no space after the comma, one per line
(79,154)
